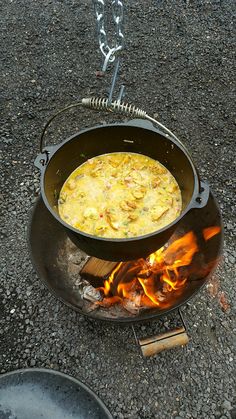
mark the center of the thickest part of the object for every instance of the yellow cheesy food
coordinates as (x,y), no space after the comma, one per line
(119,195)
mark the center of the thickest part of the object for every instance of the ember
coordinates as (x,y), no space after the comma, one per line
(152,282)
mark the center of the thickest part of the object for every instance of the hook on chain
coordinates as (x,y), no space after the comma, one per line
(113,83)
(109,53)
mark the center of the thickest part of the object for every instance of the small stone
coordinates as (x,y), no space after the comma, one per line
(227,405)
(100,74)
(231,259)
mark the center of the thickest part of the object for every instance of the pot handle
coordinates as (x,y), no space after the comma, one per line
(202,198)
(155,344)
(43,157)
(102,104)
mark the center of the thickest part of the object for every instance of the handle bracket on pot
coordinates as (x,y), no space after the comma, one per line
(155,344)
(202,198)
(42,159)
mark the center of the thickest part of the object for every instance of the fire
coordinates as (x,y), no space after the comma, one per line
(210,232)
(153,281)
(107,283)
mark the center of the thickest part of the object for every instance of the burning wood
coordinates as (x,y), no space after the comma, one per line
(146,283)
(97,268)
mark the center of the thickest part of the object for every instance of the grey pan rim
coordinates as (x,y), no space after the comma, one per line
(63,375)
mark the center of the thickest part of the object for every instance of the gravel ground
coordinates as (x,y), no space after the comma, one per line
(178,65)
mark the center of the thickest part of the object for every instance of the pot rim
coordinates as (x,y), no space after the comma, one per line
(132,123)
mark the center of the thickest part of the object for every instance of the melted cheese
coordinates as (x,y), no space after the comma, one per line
(120,195)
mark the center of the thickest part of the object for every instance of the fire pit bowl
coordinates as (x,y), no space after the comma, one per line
(55,259)
(136,136)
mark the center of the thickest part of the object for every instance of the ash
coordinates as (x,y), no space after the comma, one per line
(70,260)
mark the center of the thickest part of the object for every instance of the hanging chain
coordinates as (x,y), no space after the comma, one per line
(117,12)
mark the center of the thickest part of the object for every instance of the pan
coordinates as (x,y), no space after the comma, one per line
(40,393)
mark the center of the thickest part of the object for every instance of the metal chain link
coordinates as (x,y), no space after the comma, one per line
(117,12)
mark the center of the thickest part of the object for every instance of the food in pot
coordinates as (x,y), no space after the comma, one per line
(120,195)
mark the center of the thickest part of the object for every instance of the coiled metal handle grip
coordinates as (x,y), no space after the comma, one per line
(103,104)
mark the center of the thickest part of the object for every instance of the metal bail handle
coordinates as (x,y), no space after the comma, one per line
(103,104)
(49,122)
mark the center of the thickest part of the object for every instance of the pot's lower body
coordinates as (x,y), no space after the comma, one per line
(119,251)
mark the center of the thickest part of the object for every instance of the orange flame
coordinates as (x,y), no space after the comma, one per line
(109,281)
(149,290)
(154,281)
(210,232)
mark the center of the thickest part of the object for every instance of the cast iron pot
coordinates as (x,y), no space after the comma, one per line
(137,136)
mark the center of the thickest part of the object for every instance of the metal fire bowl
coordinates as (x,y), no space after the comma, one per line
(48,240)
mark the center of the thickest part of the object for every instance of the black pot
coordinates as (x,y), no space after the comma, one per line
(136,136)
